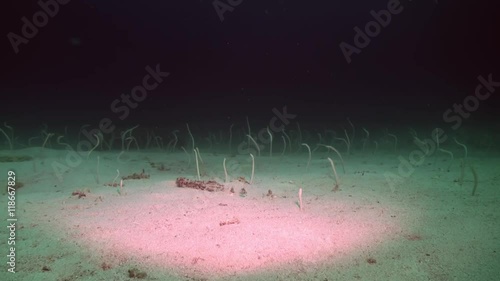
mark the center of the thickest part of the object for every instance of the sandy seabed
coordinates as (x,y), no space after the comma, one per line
(427,226)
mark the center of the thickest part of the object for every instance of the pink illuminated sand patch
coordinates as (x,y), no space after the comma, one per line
(184,229)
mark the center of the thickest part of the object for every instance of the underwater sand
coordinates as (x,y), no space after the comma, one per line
(427,227)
